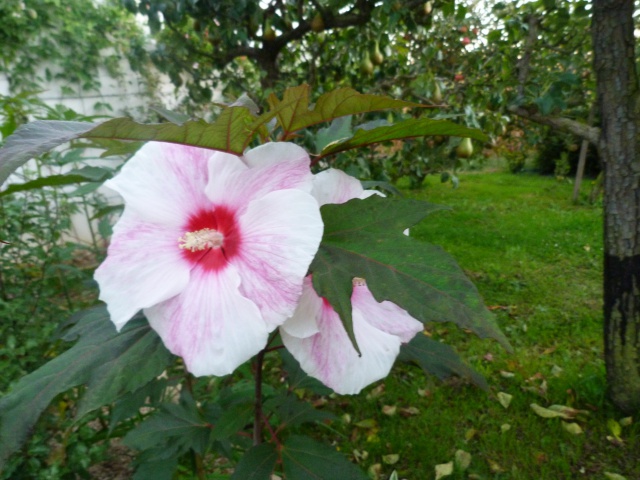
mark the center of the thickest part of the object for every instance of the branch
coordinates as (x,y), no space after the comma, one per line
(592,134)
(524,62)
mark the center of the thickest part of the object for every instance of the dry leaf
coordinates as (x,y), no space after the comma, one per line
(409,411)
(376,392)
(462,460)
(556,371)
(444,470)
(494,466)
(366,423)
(389,410)
(614,476)
(469,434)
(374,471)
(506,374)
(504,399)
(572,428)
(391,459)
(557,411)
(626,421)
(505,427)
(614,428)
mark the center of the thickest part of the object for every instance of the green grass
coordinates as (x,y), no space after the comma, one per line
(536,259)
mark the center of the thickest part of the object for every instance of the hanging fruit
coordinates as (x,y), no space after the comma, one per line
(366,66)
(269,34)
(437,94)
(465,149)
(376,56)
(317,23)
(428,7)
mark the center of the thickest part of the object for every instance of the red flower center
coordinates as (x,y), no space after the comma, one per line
(211,238)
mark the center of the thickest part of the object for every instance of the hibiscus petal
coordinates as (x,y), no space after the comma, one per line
(302,323)
(162,182)
(330,357)
(385,316)
(335,186)
(237,189)
(144,266)
(211,325)
(275,152)
(281,233)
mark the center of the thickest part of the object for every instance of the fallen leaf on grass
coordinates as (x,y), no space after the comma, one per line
(540,390)
(391,459)
(572,428)
(366,423)
(444,470)
(462,460)
(469,434)
(494,466)
(557,411)
(614,476)
(389,410)
(376,392)
(614,428)
(506,374)
(504,399)
(505,427)
(626,421)
(409,411)
(556,371)
(374,471)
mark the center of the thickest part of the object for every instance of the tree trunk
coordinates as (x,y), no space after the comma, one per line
(619,148)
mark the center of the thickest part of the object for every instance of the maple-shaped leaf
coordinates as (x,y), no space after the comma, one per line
(363,238)
(294,111)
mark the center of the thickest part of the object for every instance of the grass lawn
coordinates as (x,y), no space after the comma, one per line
(536,259)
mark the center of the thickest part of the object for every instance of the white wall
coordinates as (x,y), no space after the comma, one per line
(127,96)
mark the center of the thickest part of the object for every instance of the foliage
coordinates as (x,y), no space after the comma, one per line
(180,426)
(43,279)
(75,38)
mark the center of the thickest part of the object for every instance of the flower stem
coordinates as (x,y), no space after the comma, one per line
(257,419)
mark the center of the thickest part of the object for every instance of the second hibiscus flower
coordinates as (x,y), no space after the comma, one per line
(315,335)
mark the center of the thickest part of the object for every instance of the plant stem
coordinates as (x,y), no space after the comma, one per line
(257,419)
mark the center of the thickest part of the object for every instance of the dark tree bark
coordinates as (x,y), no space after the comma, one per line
(619,148)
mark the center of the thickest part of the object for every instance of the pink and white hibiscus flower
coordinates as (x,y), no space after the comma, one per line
(315,335)
(213,247)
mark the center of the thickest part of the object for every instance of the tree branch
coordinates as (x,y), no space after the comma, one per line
(592,134)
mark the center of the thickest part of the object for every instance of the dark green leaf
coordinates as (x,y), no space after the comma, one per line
(294,112)
(95,174)
(102,359)
(439,359)
(306,459)
(292,411)
(232,420)
(363,238)
(50,181)
(35,138)
(156,470)
(175,428)
(257,464)
(410,128)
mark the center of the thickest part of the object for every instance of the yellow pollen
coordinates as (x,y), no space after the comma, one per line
(359,282)
(201,240)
